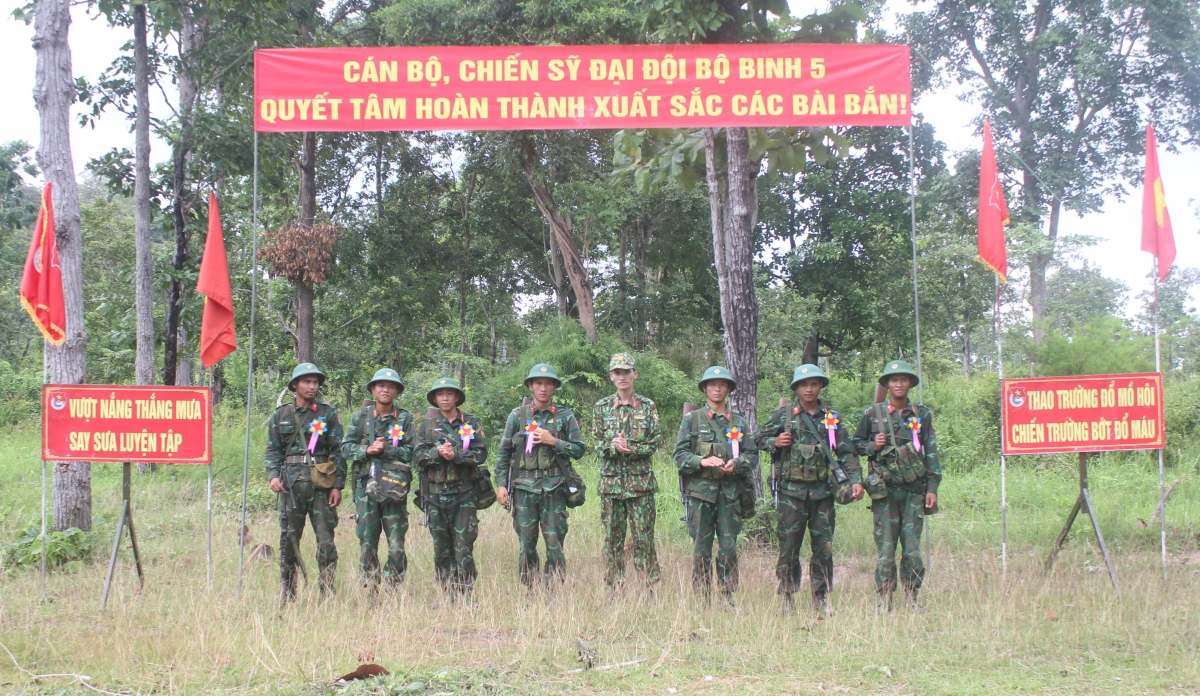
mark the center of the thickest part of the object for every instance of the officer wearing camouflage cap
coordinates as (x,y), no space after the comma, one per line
(898,439)
(303,467)
(809,444)
(540,440)
(379,443)
(626,431)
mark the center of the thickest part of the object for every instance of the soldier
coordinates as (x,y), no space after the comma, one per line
(302,466)
(809,448)
(379,443)
(716,457)
(904,474)
(540,440)
(626,430)
(451,452)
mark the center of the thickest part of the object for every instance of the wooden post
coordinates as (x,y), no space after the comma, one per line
(1084,503)
(125,520)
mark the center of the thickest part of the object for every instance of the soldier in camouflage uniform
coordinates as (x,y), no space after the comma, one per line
(899,441)
(302,466)
(798,435)
(626,430)
(451,452)
(714,481)
(538,473)
(379,444)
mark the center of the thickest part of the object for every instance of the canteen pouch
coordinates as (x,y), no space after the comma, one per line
(323,474)
(485,493)
(575,489)
(876,488)
(388,484)
(746,500)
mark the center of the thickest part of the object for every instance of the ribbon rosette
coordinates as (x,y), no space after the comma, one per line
(396,433)
(915,424)
(831,423)
(318,428)
(735,438)
(467,433)
(530,428)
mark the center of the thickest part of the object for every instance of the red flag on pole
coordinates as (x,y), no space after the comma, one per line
(41,283)
(218,337)
(993,213)
(1157,237)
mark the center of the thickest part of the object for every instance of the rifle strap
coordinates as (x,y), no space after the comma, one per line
(808,423)
(880,419)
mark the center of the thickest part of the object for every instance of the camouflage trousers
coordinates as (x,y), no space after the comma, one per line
(720,520)
(546,512)
(312,503)
(454,526)
(819,517)
(389,519)
(638,515)
(899,517)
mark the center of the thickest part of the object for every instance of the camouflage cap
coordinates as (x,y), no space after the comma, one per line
(543,370)
(445,383)
(387,374)
(898,367)
(718,372)
(303,370)
(808,371)
(620,361)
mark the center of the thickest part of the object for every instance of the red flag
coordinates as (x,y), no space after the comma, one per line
(41,283)
(1157,237)
(218,337)
(993,213)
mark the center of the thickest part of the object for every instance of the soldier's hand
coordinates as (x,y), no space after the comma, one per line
(716,462)
(783,440)
(727,467)
(446,451)
(502,496)
(880,441)
(930,500)
(621,444)
(335,497)
(857,491)
(541,436)
(375,447)
(276,485)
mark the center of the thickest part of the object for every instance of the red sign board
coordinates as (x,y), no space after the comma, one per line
(557,87)
(109,423)
(1092,413)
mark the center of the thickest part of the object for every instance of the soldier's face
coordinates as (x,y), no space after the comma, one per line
(307,386)
(622,378)
(384,392)
(898,385)
(446,399)
(716,390)
(542,389)
(808,390)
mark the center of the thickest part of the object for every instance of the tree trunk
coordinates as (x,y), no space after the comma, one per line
(1037,274)
(464,278)
(143,363)
(53,93)
(733,209)
(308,215)
(561,227)
(812,350)
(560,297)
(183,371)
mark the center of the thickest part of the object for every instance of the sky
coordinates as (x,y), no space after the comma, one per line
(1117,226)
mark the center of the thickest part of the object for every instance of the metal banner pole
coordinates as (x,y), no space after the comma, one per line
(1003,467)
(45,346)
(1162,491)
(250,365)
(912,200)
(210,479)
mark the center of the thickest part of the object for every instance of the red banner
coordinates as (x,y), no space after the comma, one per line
(108,423)
(1092,413)
(558,87)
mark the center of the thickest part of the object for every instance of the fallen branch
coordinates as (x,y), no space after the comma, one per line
(83,679)
(601,668)
(1158,510)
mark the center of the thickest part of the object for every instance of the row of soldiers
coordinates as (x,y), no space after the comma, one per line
(814,464)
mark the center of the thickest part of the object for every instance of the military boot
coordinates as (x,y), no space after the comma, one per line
(789,604)
(910,600)
(820,603)
(885,603)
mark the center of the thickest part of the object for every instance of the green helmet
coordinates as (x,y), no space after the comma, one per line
(302,370)
(717,372)
(543,370)
(445,383)
(808,371)
(898,367)
(387,374)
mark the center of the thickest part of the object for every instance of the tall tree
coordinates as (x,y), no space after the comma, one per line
(144,272)
(1069,85)
(53,93)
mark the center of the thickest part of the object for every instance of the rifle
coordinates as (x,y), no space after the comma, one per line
(423,475)
(525,401)
(775,462)
(687,409)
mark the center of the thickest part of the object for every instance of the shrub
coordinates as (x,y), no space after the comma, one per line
(66,549)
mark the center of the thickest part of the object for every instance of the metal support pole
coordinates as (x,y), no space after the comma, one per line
(1162,489)
(1084,503)
(1003,467)
(126,520)
(45,346)
(250,366)
(912,200)
(210,479)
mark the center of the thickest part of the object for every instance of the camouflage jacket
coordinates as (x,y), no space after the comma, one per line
(709,437)
(787,463)
(288,435)
(358,438)
(864,437)
(626,475)
(465,465)
(558,420)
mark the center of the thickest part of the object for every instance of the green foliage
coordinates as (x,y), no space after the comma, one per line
(67,549)
(20,394)
(1101,346)
(1180,399)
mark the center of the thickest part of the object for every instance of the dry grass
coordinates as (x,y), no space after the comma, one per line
(1063,633)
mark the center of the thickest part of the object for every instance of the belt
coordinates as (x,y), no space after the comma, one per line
(540,473)
(303,458)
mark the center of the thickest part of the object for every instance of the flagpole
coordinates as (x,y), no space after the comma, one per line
(45,359)
(1003,467)
(250,365)
(210,479)
(1162,491)
(912,201)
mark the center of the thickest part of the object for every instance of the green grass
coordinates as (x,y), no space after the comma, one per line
(1066,632)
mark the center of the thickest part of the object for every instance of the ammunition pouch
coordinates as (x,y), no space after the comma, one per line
(876,486)
(805,463)
(746,499)
(575,489)
(485,493)
(902,465)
